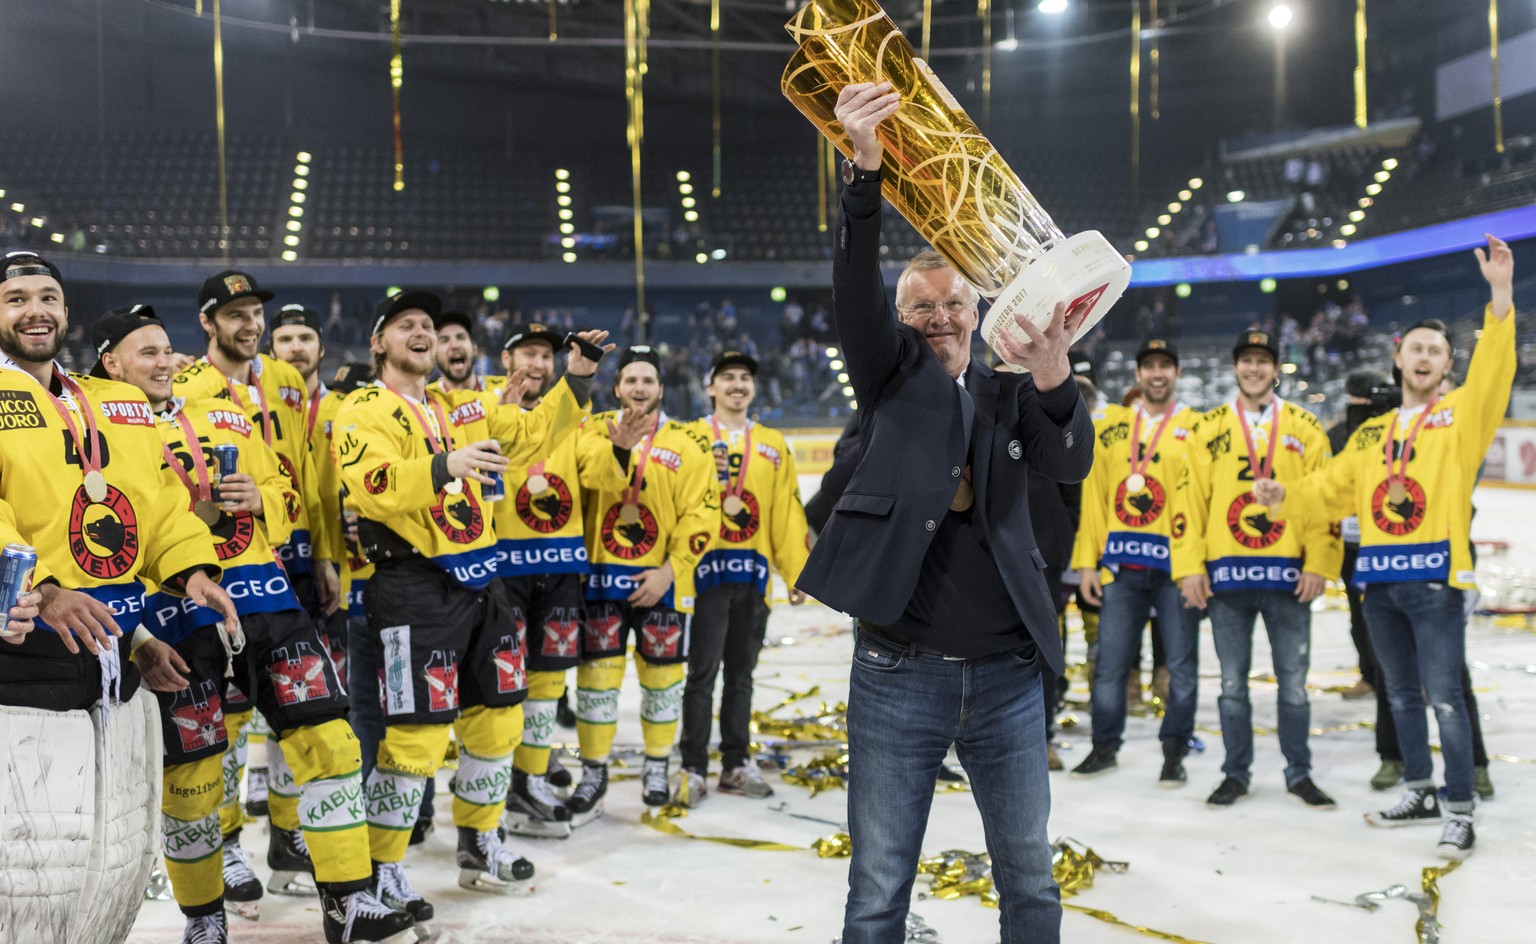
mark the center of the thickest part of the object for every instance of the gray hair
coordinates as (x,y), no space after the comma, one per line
(925,261)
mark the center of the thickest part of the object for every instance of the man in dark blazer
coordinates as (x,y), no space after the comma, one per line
(931,547)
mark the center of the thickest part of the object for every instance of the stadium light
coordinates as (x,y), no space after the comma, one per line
(19,207)
(562,174)
(567,228)
(692,216)
(1164,219)
(392,291)
(1195,183)
(294,226)
(299,183)
(1390,163)
(778,293)
(683,177)
(566,214)
(491,293)
(1280,16)
(1382,176)
(1185,195)
(1141,245)
(717,255)
(1152,232)
(842,378)
(1356,216)
(57,237)
(1235,196)
(689,203)
(1052,6)
(290,256)
(831,352)
(685,189)
(1183,289)
(569,257)
(836,365)
(1373,189)
(1365,202)
(1176,206)
(563,187)
(1267,286)
(847,391)
(301,170)
(568,242)
(1348,229)
(304,157)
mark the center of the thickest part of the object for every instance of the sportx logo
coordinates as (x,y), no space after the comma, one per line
(466,413)
(666,457)
(128,412)
(230,419)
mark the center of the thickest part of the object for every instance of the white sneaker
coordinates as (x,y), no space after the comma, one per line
(692,789)
(746,781)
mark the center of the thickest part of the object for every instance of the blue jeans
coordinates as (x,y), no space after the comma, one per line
(366,711)
(1419,632)
(1128,604)
(905,709)
(1289,624)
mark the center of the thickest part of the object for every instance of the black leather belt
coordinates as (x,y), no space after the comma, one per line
(910,648)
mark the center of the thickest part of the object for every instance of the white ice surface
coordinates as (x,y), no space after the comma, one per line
(1240,876)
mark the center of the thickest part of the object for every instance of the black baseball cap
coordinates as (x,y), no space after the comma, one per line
(534,331)
(730,357)
(462,319)
(403,302)
(111,328)
(219,290)
(1156,346)
(297,315)
(351,375)
(1082,364)
(21,262)
(643,353)
(1362,383)
(1262,340)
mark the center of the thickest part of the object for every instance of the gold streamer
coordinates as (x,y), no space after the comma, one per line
(836,846)
(1361,118)
(218,113)
(821,182)
(637,15)
(984,11)
(1136,97)
(1428,926)
(1111,918)
(824,773)
(714,88)
(927,25)
(1152,56)
(661,821)
(1493,53)
(396,79)
(554,32)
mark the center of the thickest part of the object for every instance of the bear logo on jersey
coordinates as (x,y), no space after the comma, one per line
(743,525)
(1141,508)
(1398,518)
(103,536)
(548,511)
(1250,525)
(377,480)
(629,540)
(458,516)
(232,535)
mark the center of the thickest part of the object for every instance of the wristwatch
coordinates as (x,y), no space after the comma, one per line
(854,174)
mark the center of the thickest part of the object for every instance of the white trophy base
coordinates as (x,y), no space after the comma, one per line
(1086,266)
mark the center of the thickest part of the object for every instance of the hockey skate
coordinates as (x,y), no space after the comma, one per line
(654,781)
(393,889)
(359,917)
(485,865)
(242,889)
(293,872)
(558,776)
(206,929)
(586,801)
(256,791)
(535,810)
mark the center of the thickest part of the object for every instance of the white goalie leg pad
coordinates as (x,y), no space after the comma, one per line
(538,722)
(483,781)
(47,797)
(393,798)
(661,705)
(127,835)
(597,707)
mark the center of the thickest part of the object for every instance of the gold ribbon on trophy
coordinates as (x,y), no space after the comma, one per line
(945,177)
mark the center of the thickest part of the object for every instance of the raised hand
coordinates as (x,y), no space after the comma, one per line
(860,109)
(1498,265)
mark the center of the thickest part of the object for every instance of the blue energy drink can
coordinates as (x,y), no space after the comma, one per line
(17,564)
(495,491)
(226,461)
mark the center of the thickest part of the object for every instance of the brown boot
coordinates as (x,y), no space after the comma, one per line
(1359,690)
(1133,692)
(1052,759)
(1160,677)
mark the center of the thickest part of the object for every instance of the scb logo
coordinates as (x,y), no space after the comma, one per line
(548,511)
(1251,526)
(629,540)
(458,516)
(1141,508)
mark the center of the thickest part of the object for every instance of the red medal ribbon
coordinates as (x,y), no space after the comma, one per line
(314,413)
(437,444)
(746,455)
(90,460)
(1141,458)
(261,397)
(1267,470)
(1398,472)
(637,475)
(202,489)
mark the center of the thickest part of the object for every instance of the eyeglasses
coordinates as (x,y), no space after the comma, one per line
(952,307)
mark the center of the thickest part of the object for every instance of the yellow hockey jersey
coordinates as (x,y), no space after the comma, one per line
(274,400)
(1219,526)
(1427,535)
(140,529)
(10,534)
(543,533)
(386,457)
(245,543)
(491,385)
(678,509)
(769,527)
(1119,525)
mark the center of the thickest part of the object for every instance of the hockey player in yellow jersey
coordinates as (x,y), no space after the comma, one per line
(1126,525)
(542,559)
(414,462)
(272,393)
(651,511)
(458,356)
(762,525)
(1409,475)
(1231,557)
(283,668)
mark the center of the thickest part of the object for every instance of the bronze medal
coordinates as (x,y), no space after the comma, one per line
(1135,482)
(965,497)
(1397,492)
(537,484)
(207,512)
(629,513)
(95,486)
(733,505)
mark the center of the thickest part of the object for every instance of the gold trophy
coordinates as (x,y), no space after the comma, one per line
(946,178)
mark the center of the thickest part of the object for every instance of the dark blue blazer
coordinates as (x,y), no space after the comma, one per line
(867,560)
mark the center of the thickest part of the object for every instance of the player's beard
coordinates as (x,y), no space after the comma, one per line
(17,349)
(228,348)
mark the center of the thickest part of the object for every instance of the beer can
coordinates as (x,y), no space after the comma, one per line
(226,461)
(495,491)
(17,564)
